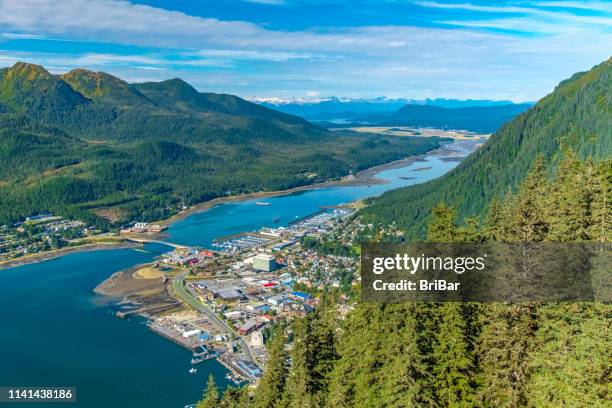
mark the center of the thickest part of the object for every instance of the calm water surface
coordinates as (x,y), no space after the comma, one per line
(56,332)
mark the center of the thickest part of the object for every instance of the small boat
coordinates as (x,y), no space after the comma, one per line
(262,203)
(193,370)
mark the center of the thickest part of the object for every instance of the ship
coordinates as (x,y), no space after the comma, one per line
(264,204)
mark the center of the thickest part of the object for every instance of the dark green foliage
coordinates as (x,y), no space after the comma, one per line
(466,354)
(143,151)
(272,383)
(442,226)
(576,116)
(211,396)
(312,357)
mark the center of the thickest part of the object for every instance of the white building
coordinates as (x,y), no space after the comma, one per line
(257,339)
(264,262)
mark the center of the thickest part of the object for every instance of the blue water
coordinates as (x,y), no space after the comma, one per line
(56,332)
(231,218)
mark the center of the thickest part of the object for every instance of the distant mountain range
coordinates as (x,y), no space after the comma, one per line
(474,115)
(90,145)
(576,116)
(324,108)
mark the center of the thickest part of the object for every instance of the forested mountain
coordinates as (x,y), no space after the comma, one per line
(90,145)
(416,354)
(576,115)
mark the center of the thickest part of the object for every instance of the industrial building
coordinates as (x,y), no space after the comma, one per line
(264,262)
(248,368)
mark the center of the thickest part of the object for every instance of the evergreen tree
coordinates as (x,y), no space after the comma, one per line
(271,387)
(503,353)
(600,228)
(453,363)
(470,231)
(494,226)
(442,226)
(529,205)
(298,391)
(211,396)
(382,362)
(568,201)
(570,362)
(234,398)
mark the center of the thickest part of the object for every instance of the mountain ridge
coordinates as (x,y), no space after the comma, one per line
(89,145)
(575,116)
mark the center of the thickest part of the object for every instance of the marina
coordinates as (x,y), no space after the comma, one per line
(57,295)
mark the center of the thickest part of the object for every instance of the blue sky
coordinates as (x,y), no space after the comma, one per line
(516,50)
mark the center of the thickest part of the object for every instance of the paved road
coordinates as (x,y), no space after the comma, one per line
(182,292)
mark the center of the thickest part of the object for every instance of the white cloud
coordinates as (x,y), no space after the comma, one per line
(584,5)
(273,2)
(530,19)
(400,61)
(473,7)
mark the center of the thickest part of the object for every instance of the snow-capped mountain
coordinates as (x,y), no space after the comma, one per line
(336,108)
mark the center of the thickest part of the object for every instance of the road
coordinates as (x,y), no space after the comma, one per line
(185,295)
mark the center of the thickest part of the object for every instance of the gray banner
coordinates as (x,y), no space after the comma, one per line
(486,272)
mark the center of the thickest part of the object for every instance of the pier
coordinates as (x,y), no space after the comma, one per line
(307,217)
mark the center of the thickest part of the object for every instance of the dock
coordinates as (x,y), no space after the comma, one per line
(147,311)
(186,343)
(307,217)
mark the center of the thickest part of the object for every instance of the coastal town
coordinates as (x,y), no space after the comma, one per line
(40,233)
(233,295)
(224,300)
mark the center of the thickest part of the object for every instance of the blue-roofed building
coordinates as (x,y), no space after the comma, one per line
(262,308)
(248,368)
(301,295)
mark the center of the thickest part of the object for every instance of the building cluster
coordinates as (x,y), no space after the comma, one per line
(143,228)
(256,280)
(40,233)
(186,256)
(250,303)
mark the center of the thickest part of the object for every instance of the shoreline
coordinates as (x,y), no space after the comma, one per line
(57,253)
(363,177)
(207,205)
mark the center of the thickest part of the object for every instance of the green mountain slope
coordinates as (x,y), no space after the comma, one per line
(90,145)
(100,86)
(33,90)
(577,115)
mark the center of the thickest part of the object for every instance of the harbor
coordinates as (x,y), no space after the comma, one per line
(58,294)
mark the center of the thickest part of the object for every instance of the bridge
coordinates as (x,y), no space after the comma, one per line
(155,241)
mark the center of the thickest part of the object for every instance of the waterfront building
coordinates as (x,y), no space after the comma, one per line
(248,368)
